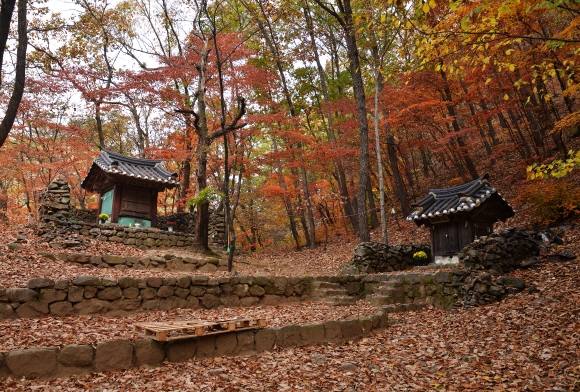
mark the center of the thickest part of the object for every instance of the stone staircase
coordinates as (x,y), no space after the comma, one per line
(387,292)
(331,293)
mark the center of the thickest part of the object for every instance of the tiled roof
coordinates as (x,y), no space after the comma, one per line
(460,199)
(138,168)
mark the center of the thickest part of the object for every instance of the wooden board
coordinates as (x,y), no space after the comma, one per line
(177,329)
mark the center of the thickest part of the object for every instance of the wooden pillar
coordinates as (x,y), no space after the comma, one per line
(153,211)
(117,197)
(100,206)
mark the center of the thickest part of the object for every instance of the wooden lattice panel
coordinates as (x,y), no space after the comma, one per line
(173,330)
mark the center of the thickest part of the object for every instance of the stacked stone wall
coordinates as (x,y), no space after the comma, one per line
(112,232)
(375,257)
(50,362)
(501,251)
(54,201)
(96,295)
(168,262)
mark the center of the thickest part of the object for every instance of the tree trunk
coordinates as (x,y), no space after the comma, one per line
(18,90)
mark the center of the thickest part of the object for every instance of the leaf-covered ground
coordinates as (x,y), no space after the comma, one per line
(60,331)
(528,342)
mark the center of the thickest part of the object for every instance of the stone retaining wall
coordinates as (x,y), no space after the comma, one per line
(141,238)
(376,257)
(74,359)
(444,289)
(95,295)
(168,262)
(501,251)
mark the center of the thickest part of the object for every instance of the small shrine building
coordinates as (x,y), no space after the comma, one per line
(458,215)
(128,187)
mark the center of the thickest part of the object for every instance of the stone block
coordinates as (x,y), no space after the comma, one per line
(90,292)
(249,301)
(206,346)
(87,281)
(148,352)
(288,336)
(76,355)
(257,291)
(123,306)
(32,362)
(92,306)
(197,291)
(6,312)
(181,293)
(52,295)
(208,268)
(264,339)
(126,282)
(165,291)
(79,258)
(21,295)
(110,293)
(332,331)
(181,350)
(312,334)
(154,282)
(75,294)
(148,293)
(246,344)
(225,343)
(366,324)
(32,309)
(353,288)
(113,355)
(152,304)
(38,283)
(60,309)
(210,301)
(230,301)
(131,293)
(270,300)
(199,280)
(62,285)
(183,282)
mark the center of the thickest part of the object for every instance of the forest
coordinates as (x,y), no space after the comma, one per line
(302,119)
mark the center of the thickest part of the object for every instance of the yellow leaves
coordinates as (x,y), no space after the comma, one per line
(506,97)
(512,67)
(383,18)
(509,52)
(487,81)
(534,336)
(486,60)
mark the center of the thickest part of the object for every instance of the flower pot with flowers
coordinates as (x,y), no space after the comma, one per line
(170,226)
(103,218)
(420,257)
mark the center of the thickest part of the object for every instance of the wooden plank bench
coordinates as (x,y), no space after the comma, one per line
(177,329)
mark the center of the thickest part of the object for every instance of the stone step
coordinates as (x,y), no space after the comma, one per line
(326,285)
(332,292)
(341,301)
(386,291)
(379,300)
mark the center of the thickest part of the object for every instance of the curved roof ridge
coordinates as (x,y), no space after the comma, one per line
(137,161)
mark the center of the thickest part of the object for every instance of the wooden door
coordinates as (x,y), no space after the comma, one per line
(136,203)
